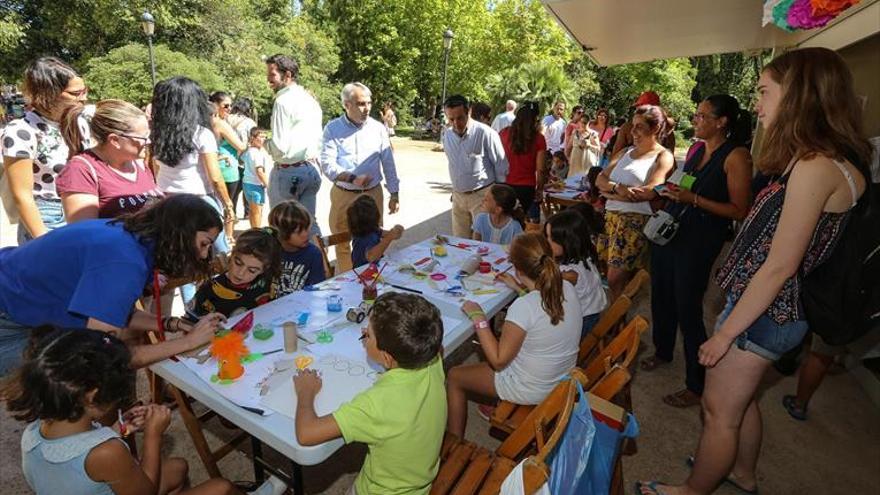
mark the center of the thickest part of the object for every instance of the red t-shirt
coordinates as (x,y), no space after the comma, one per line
(85,173)
(522,165)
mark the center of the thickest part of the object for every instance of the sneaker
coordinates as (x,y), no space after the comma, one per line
(272,486)
(485,411)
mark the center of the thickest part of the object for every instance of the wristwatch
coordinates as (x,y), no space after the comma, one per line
(482,324)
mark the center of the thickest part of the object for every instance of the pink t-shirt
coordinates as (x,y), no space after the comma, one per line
(85,173)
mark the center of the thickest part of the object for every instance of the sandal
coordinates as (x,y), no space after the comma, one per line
(682,399)
(650,485)
(652,363)
(796,411)
(485,411)
(729,480)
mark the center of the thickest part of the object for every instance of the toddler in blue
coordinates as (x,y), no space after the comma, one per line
(72,381)
(368,240)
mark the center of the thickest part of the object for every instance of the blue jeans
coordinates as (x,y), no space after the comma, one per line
(188,291)
(588,324)
(300,183)
(13,340)
(50,212)
(764,336)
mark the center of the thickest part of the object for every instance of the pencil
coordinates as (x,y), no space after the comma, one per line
(505,271)
(405,288)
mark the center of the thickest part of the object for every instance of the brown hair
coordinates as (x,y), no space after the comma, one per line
(531,255)
(408,327)
(363,216)
(289,218)
(660,123)
(110,117)
(822,115)
(44,79)
(263,245)
(505,198)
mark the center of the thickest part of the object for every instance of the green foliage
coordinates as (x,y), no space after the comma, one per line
(11,33)
(124,73)
(672,79)
(729,73)
(533,81)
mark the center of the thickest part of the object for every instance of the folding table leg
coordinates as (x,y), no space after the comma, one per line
(257,451)
(195,432)
(297,475)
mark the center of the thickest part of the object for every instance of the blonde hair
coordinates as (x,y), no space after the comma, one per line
(532,256)
(818,113)
(110,117)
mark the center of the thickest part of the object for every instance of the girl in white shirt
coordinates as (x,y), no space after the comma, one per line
(539,339)
(569,238)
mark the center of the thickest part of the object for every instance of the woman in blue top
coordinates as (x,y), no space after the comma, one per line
(90,274)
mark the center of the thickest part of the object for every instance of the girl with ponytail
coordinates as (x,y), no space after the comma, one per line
(110,177)
(539,339)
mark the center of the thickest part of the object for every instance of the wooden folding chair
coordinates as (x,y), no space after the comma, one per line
(507,415)
(634,286)
(466,468)
(328,241)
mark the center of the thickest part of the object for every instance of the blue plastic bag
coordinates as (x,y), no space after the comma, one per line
(568,463)
(606,444)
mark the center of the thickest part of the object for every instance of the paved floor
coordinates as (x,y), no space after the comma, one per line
(837,451)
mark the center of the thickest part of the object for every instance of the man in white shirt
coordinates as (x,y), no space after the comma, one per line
(504,119)
(355,151)
(296,137)
(476,161)
(554,128)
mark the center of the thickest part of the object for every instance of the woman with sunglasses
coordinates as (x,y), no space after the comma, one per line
(34,152)
(110,178)
(230,146)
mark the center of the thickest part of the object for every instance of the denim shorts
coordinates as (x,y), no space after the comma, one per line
(254,193)
(764,336)
(51,213)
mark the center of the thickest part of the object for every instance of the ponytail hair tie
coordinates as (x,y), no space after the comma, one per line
(270,230)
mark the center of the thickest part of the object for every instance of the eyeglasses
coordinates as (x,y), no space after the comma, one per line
(143,140)
(78,93)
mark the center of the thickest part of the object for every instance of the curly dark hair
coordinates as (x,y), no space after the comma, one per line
(363,216)
(408,327)
(261,244)
(180,107)
(570,229)
(170,225)
(61,367)
(524,128)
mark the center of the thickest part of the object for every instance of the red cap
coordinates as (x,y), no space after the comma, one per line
(647,98)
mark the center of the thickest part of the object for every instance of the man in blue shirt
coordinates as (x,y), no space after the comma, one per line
(355,152)
(476,161)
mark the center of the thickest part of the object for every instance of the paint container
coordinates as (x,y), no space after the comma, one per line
(485,267)
(290,339)
(334,304)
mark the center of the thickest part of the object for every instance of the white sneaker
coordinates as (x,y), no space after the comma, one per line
(272,486)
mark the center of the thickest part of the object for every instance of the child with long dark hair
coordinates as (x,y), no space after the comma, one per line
(71,382)
(569,236)
(539,339)
(503,219)
(368,241)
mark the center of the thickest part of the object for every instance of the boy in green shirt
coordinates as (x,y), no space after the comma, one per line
(402,416)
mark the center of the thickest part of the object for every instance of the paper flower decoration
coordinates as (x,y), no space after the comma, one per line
(229,350)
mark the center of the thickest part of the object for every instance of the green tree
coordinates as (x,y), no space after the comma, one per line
(735,74)
(543,82)
(11,33)
(124,73)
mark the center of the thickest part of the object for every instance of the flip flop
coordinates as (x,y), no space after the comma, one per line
(797,412)
(651,485)
(730,481)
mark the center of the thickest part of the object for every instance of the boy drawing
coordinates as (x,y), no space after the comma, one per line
(402,416)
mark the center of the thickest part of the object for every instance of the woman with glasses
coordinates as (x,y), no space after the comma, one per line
(110,178)
(34,152)
(230,146)
(722,167)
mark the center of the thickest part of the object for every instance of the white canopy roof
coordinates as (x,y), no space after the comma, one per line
(626,31)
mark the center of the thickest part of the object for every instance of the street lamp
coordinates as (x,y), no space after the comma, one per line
(149,25)
(447,45)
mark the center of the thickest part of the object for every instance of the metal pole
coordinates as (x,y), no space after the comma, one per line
(152,60)
(443,94)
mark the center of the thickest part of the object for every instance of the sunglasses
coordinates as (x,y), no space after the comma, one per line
(143,140)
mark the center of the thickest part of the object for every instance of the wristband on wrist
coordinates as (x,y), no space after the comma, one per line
(614,188)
